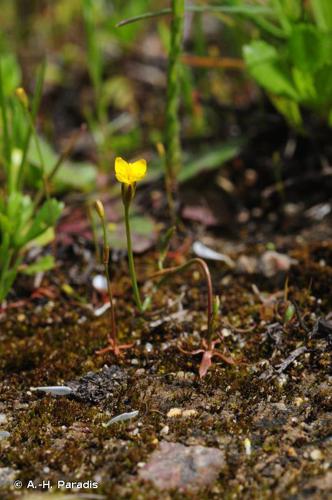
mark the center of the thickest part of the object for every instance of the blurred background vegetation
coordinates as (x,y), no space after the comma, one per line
(114,79)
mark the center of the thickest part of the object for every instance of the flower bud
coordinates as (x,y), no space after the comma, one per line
(99,207)
(22,97)
(160,149)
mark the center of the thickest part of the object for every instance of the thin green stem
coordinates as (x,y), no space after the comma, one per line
(172,142)
(131,261)
(106,258)
(29,116)
(35,106)
(245,10)
(94,232)
(6,135)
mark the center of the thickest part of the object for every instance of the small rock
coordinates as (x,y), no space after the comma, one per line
(185,375)
(3,418)
(316,454)
(7,475)
(184,468)
(4,435)
(271,263)
(189,413)
(246,264)
(148,347)
(247,446)
(291,452)
(174,412)
(165,430)
(99,282)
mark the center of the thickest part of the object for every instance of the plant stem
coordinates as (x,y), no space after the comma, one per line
(168,272)
(6,143)
(30,119)
(173,144)
(131,261)
(34,109)
(106,258)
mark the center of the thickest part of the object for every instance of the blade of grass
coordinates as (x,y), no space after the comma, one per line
(34,109)
(4,116)
(253,10)
(172,136)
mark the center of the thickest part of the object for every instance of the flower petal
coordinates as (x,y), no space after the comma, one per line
(138,170)
(122,171)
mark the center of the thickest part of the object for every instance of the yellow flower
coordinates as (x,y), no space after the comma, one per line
(129,173)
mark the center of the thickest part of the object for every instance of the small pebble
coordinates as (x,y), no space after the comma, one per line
(316,454)
(148,347)
(174,412)
(165,430)
(247,446)
(3,418)
(189,413)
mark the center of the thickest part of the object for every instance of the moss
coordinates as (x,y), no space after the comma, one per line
(53,345)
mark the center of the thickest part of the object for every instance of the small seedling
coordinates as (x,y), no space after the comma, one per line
(208,345)
(112,339)
(128,174)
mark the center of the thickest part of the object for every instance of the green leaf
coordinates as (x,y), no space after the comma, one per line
(289,109)
(211,159)
(308,48)
(265,66)
(305,85)
(46,217)
(71,175)
(292,9)
(245,10)
(45,263)
(11,74)
(322,10)
(323,83)
(43,239)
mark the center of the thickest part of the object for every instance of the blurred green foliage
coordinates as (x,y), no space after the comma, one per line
(23,219)
(295,66)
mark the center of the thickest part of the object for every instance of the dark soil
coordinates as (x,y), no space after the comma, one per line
(270,414)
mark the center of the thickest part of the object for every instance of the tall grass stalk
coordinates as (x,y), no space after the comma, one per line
(172,142)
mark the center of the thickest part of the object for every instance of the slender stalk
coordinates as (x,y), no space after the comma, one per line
(173,143)
(168,272)
(34,109)
(106,258)
(24,101)
(94,232)
(131,261)
(5,125)
(252,11)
